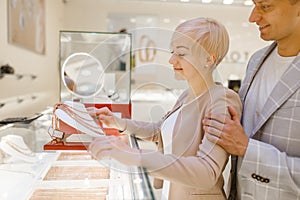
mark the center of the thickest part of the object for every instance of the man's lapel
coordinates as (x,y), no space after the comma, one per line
(254,65)
(287,85)
(252,69)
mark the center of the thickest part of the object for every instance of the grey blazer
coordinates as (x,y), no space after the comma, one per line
(270,168)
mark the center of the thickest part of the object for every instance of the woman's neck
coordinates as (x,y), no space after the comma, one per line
(198,87)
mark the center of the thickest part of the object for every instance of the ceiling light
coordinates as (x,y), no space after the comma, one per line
(182,20)
(227,2)
(206,1)
(132,20)
(149,20)
(185,0)
(248,2)
(166,20)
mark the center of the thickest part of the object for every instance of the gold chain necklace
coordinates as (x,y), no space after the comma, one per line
(73,114)
(81,120)
(68,107)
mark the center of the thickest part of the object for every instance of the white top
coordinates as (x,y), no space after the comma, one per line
(167,133)
(264,82)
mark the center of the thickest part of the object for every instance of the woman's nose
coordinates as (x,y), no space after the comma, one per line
(172,59)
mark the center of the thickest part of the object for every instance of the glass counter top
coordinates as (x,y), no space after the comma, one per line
(61,174)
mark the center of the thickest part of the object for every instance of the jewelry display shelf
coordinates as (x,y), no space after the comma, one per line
(75,175)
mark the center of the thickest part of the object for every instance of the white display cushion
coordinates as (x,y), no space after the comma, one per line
(14,146)
(93,128)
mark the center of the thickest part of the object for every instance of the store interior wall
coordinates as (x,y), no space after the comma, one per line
(92,15)
(26,96)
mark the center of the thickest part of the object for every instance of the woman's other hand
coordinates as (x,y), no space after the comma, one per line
(115,147)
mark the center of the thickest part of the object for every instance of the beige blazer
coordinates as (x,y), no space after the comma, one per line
(270,168)
(195,166)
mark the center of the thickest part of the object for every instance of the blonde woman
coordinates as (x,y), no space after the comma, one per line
(189,165)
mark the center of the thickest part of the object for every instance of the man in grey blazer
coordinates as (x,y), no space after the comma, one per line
(267,146)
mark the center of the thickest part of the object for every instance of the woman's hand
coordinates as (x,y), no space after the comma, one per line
(108,118)
(116,147)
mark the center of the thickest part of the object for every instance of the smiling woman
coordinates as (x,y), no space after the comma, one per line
(184,154)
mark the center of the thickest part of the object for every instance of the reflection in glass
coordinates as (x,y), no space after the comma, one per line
(83,74)
(95,67)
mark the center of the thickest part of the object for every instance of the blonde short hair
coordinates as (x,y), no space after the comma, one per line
(210,34)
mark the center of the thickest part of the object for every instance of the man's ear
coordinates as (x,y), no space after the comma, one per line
(298,5)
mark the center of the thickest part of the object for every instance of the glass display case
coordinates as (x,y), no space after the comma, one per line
(95,66)
(95,71)
(29,172)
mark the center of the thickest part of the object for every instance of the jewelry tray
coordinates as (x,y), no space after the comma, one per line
(74,175)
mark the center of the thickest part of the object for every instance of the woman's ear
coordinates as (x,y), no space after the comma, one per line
(214,58)
(211,60)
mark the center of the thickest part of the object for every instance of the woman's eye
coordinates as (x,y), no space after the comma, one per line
(178,54)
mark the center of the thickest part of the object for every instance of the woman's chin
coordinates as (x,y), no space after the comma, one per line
(178,76)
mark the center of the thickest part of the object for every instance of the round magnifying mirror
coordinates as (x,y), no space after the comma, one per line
(82,75)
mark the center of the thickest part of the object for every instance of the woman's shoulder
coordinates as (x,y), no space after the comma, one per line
(220,89)
(222,96)
(222,93)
